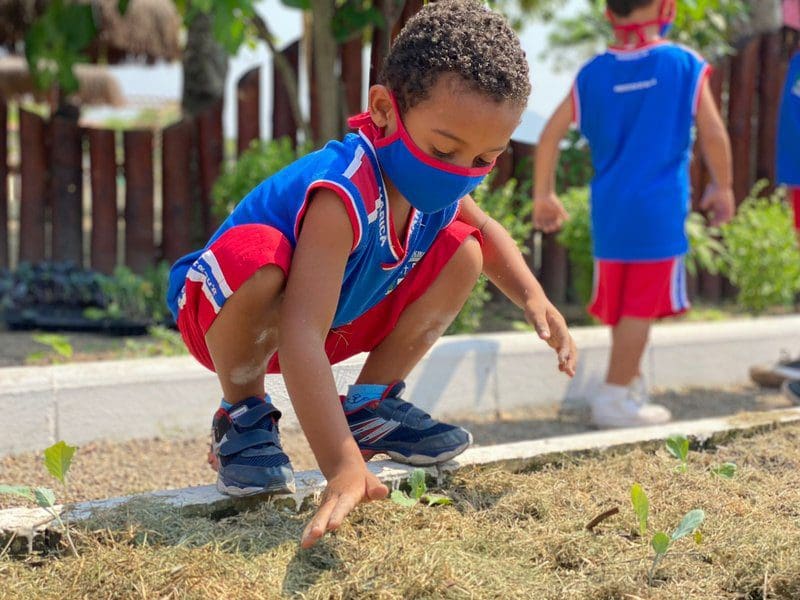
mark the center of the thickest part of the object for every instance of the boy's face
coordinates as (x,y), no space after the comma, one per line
(454,124)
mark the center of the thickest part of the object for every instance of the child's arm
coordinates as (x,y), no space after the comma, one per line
(307,311)
(548,212)
(505,266)
(716,147)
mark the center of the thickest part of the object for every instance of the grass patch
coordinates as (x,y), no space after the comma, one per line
(506,535)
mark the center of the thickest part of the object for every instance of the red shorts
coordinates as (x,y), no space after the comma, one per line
(242,250)
(644,290)
(793,193)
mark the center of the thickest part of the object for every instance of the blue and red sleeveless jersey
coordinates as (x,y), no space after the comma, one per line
(637,108)
(788,154)
(378,260)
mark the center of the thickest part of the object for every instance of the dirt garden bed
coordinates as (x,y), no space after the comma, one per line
(506,535)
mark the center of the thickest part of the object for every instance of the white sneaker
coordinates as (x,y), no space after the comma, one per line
(626,406)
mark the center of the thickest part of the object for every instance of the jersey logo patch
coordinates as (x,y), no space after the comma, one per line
(622,88)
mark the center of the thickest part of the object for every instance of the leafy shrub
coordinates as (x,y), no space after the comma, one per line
(705,249)
(510,205)
(574,167)
(257,163)
(762,258)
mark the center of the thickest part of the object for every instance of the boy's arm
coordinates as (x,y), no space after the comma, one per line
(307,311)
(716,148)
(505,266)
(548,212)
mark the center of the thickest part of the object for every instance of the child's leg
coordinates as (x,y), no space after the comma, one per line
(628,341)
(245,334)
(228,317)
(426,319)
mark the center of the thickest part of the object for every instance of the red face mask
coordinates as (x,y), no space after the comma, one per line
(664,21)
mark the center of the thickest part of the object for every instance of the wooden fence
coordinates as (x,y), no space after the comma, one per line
(141,225)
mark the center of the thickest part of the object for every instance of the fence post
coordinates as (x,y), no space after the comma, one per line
(33,186)
(283,121)
(67,189)
(4,237)
(211,152)
(248,102)
(741,96)
(770,80)
(139,238)
(103,157)
(176,186)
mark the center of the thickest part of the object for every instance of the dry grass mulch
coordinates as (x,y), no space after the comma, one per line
(507,535)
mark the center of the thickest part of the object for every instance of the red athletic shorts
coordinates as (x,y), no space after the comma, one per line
(794,197)
(645,290)
(242,250)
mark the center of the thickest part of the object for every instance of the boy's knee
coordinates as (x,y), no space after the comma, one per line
(468,259)
(265,286)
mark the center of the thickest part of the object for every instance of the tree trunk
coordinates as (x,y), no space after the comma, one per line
(205,66)
(326,51)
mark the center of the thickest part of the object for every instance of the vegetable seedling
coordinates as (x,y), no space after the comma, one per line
(678,446)
(57,460)
(661,542)
(419,493)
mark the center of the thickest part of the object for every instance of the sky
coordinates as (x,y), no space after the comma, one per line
(164,81)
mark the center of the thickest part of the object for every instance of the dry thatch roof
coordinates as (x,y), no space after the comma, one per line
(150,28)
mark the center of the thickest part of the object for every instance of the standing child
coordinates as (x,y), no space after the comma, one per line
(636,104)
(371,244)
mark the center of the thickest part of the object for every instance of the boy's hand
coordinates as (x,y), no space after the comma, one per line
(548,213)
(719,202)
(552,328)
(350,486)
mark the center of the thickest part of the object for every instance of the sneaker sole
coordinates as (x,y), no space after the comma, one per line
(420,460)
(279,487)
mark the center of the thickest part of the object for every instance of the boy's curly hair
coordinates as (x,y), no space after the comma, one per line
(462,37)
(623,8)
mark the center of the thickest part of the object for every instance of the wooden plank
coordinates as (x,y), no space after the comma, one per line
(34,176)
(742,95)
(283,121)
(67,189)
(770,80)
(4,239)
(555,266)
(248,101)
(352,73)
(103,160)
(139,209)
(176,185)
(211,152)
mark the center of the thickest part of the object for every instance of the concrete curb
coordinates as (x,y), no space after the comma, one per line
(461,375)
(24,530)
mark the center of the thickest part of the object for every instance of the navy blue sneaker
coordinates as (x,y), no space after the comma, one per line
(246,450)
(392,426)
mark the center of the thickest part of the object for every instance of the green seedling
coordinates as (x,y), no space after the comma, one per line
(725,470)
(57,343)
(57,460)
(661,542)
(678,446)
(419,493)
(641,506)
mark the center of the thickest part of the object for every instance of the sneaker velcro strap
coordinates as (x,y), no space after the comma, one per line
(254,414)
(236,442)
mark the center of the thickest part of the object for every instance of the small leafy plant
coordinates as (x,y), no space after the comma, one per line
(57,461)
(661,542)
(678,446)
(725,470)
(56,343)
(419,492)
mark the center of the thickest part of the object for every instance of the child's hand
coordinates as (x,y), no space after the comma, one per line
(552,328)
(719,202)
(548,213)
(352,485)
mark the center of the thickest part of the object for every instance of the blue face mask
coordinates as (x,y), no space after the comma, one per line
(429,184)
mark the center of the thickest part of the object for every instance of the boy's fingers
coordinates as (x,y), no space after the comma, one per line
(375,489)
(318,524)
(541,326)
(345,503)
